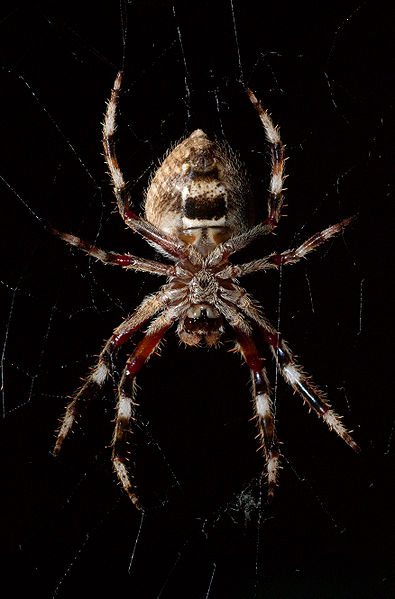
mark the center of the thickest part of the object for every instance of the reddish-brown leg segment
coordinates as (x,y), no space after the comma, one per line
(126,404)
(95,381)
(124,260)
(301,382)
(290,256)
(272,132)
(109,127)
(263,408)
(289,369)
(171,246)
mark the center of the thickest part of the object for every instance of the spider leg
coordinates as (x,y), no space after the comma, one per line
(263,407)
(168,245)
(109,127)
(127,391)
(272,132)
(295,376)
(102,370)
(275,200)
(124,260)
(291,372)
(289,256)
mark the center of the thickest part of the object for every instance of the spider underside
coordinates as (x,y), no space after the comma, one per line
(197,216)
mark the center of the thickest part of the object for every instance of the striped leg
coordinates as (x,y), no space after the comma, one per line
(169,245)
(272,132)
(124,260)
(263,408)
(275,200)
(126,404)
(292,372)
(301,382)
(89,390)
(109,127)
(95,381)
(292,256)
(275,203)
(289,256)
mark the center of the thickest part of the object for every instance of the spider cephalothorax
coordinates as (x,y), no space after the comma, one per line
(197,214)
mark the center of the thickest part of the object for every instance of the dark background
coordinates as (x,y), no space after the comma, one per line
(207,530)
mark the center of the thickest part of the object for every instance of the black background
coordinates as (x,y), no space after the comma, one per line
(206,530)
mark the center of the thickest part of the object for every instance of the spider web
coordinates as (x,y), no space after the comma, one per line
(207,530)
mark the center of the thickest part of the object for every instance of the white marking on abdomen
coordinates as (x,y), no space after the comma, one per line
(194,223)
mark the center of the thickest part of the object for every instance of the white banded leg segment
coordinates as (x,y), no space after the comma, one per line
(127,392)
(264,412)
(278,161)
(334,422)
(293,256)
(263,406)
(109,127)
(124,260)
(125,411)
(289,256)
(315,398)
(168,245)
(98,376)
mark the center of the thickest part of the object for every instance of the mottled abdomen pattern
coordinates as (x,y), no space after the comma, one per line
(200,193)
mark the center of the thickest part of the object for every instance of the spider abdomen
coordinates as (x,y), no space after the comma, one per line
(199,194)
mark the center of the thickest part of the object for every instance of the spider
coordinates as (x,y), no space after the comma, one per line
(197,216)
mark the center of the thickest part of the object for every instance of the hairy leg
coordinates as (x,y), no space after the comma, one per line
(125,260)
(289,256)
(222,252)
(126,393)
(109,127)
(315,398)
(289,369)
(169,246)
(272,132)
(100,373)
(263,408)
(275,201)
